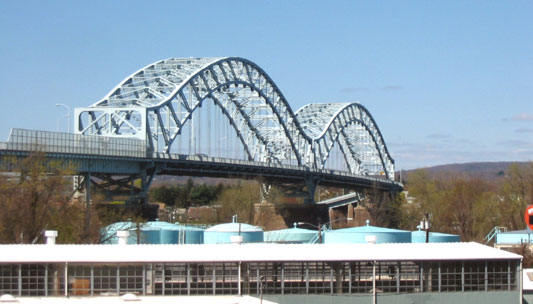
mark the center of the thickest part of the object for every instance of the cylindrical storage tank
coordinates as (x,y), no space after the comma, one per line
(108,234)
(190,235)
(434,237)
(290,235)
(221,234)
(150,236)
(363,234)
(159,232)
(169,236)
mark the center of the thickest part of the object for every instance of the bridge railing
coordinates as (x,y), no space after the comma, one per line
(56,142)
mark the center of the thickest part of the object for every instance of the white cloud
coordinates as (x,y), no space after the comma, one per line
(523,117)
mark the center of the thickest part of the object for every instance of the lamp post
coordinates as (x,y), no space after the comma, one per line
(68,114)
(321,226)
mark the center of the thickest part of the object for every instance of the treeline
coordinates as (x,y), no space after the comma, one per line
(31,202)
(466,205)
(36,195)
(187,195)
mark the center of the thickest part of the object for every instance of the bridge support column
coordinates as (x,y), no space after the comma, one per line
(87,224)
(311,184)
(143,194)
(146,181)
(331,215)
(350,214)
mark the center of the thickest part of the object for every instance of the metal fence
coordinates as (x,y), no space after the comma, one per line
(55,142)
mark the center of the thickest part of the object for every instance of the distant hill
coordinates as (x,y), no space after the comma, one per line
(485,170)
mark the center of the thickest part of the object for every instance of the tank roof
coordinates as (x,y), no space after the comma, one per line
(234,227)
(369,229)
(294,230)
(191,228)
(158,225)
(433,233)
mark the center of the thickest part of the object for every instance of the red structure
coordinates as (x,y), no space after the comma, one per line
(528,216)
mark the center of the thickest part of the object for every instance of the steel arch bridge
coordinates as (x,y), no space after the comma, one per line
(158,103)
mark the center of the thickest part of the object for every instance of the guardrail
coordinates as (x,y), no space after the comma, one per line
(56,142)
(494,232)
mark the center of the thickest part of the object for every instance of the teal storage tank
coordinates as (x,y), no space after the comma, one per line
(434,237)
(364,233)
(169,236)
(159,232)
(194,235)
(290,235)
(156,232)
(221,234)
(190,235)
(150,236)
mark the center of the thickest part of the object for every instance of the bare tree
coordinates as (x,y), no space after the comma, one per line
(34,198)
(515,195)
(239,200)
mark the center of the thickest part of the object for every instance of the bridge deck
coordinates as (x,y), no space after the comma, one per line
(98,156)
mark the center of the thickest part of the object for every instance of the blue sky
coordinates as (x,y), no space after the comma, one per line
(446,81)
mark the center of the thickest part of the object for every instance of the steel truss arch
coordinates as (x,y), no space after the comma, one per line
(333,123)
(155,89)
(157,101)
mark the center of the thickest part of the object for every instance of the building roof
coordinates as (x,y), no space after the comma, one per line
(258,252)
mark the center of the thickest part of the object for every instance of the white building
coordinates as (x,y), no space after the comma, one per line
(280,273)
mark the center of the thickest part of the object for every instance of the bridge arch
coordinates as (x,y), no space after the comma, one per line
(157,101)
(334,123)
(164,93)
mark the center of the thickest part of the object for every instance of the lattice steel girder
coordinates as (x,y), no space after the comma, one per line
(111,121)
(166,94)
